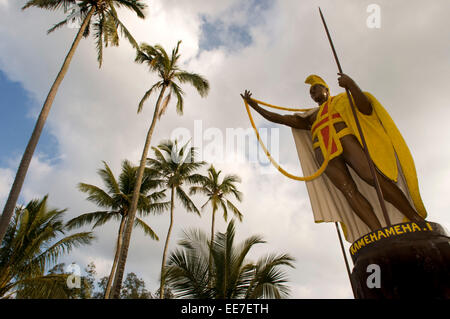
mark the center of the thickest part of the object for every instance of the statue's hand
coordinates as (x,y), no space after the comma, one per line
(345,81)
(247,96)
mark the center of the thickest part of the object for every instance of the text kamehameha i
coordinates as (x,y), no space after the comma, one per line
(395,230)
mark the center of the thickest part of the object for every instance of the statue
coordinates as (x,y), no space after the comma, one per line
(366,165)
(385,146)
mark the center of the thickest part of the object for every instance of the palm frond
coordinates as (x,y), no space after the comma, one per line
(127,177)
(159,195)
(34,240)
(52,286)
(109,179)
(159,208)
(147,95)
(58,26)
(97,195)
(139,223)
(190,276)
(235,211)
(187,275)
(224,209)
(64,246)
(99,35)
(196,80)
(136,5)
(194,190)
(164,59)
(124,31)
(186,201)
(179,94)
(270,281)
(89,218)
(49,4)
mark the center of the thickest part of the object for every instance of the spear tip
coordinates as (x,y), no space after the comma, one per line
(320,11)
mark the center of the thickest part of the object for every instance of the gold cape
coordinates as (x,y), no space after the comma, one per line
(386,146)
(384,142)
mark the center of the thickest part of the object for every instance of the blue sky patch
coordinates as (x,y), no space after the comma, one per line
(216,33)
(17,125)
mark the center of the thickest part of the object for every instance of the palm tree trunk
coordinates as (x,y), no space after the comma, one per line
(212,241)
(116,257)
(163,263)
(134,201)
(34,139)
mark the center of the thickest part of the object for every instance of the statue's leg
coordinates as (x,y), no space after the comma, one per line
(355,156)
(339,175)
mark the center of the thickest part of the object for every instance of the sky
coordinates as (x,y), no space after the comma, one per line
(268,47)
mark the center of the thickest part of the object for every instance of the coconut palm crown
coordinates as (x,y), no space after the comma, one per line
(116,200)
(232,277)
(99,15)
(176,166)
(117,197)
(101,19)
(35,239)
(218,193)
(170,76)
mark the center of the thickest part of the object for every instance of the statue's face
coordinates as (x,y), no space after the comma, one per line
(319,93)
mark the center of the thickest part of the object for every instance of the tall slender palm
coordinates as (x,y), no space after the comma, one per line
(176,166)
(116,199)
(35,239)
(171,76)
(99,15)
(217,193)
(188,272)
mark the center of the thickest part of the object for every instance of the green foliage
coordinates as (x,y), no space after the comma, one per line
(217,192)
(134,288)
(101,284)
(35,239)
(169,72)
(84,291)
(231,277)
(104,20)
(176,166)
(117,198)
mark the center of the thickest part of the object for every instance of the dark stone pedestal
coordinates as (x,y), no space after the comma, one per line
(411,260)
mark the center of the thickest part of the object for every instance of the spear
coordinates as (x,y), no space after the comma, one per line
(363,140)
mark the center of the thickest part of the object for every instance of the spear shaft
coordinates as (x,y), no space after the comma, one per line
(363,140)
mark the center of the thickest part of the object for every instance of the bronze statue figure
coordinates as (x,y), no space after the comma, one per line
(347,149)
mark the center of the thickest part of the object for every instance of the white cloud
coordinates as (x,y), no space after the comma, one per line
(6,180)
(94,116)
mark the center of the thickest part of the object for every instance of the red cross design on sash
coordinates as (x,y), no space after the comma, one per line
(325,131)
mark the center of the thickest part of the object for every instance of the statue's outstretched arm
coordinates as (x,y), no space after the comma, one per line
(289,120)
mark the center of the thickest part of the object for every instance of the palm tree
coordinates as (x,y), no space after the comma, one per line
(232,277)
(116,200)
(176,167)
(99,15)
(217,193)
(32,244)
(171,76)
